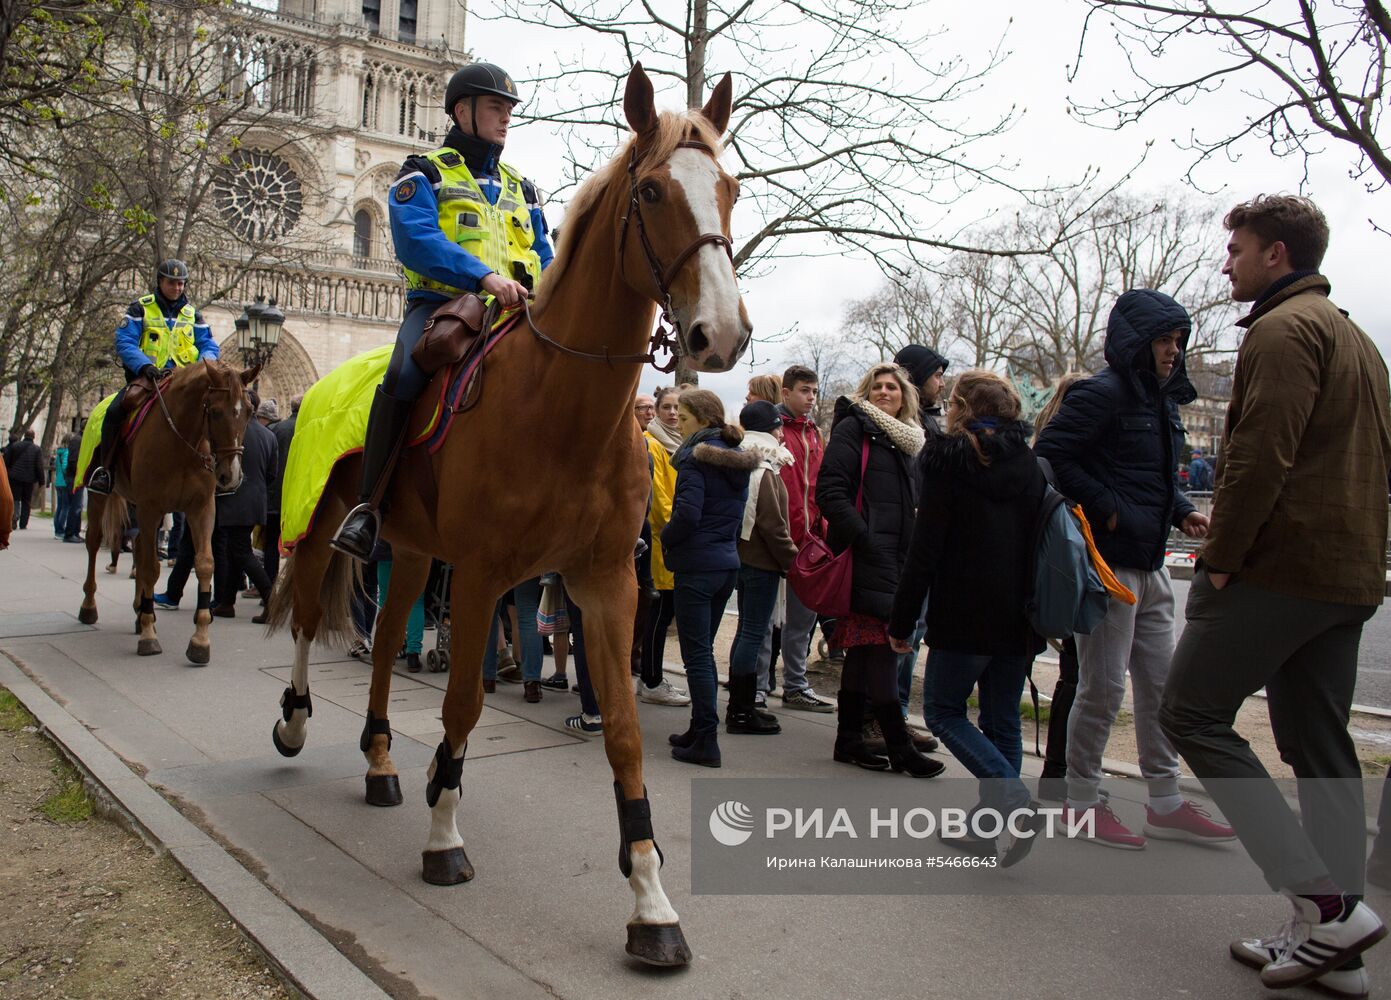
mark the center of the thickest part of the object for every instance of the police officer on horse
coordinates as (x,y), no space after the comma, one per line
(159,331)
(461,221)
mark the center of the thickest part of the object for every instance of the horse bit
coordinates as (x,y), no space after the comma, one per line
(668,334)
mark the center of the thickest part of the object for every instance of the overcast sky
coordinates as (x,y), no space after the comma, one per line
(1042,39)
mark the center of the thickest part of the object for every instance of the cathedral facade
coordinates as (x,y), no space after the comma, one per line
(370,76)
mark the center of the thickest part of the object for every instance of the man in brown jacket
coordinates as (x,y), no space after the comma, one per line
(1294,564)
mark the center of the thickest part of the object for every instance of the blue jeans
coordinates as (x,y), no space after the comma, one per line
(415,622)
(995,751)
(908,662)
(758,589)
(589,705)
(62,497)
(700,601)
(528,597)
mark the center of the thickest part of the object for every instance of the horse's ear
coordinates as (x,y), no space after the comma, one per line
(639,106)
(249,376)
(717,109)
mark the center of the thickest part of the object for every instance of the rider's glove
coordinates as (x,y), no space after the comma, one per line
(149,372)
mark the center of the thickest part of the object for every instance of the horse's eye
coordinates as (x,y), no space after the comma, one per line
(650,194)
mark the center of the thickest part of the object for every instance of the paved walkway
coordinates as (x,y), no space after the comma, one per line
(545,915)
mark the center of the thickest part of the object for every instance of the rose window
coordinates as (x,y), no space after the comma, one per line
(259,195)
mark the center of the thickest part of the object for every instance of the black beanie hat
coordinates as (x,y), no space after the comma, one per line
(920,362)
(760,415)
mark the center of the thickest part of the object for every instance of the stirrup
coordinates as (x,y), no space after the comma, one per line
(107,482)
(346,545)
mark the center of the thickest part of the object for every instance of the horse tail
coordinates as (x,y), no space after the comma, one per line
(113,522)
(334,597)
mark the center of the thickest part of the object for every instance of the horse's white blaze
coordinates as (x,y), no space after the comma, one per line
(444,831)
(234,471)
(697,175)
(292,733)
(652,905)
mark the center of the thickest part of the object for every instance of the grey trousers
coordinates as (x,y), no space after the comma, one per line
(798,625)
(1136,639)
(1304,653)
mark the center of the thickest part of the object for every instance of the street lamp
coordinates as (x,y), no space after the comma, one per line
(258,330)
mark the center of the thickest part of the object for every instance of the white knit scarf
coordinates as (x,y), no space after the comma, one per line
(772,456)
(668,437)
(907,437)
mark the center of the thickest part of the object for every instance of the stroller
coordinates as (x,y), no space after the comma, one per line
(437,616)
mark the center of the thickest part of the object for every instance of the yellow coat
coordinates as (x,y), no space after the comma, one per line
(663,489)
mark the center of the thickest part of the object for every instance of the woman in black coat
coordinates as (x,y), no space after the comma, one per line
(874,431)
(971,550)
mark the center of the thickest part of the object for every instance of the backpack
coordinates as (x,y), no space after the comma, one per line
(1065,593)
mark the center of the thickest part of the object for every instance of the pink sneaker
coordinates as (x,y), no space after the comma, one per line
(1107,830)
(1187,822)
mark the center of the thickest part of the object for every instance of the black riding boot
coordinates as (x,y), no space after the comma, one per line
(100,480)
(741,717)
(386,426)
(903,755)
(850,739)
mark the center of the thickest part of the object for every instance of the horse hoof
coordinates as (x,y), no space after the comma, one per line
(446,867)
(87,616)
(658,944)
(383,790)
(284,748)
(198,655)
(148,647)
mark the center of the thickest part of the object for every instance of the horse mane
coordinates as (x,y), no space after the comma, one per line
(672,129)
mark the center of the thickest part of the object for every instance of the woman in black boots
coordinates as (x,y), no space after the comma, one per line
(867,491)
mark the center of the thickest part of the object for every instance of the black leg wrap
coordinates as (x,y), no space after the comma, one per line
(634,823)
(205,600)
(289,701)
(449,772)
(374,727)
(147,605)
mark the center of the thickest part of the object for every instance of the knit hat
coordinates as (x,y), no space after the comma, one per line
(268,410)
(920,362)
(760,415)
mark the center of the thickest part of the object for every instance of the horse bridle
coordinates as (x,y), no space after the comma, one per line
(208,458)
(668,335)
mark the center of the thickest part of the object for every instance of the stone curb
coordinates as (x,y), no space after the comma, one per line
(301,954)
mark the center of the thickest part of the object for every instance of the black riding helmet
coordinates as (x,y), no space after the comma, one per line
(477,80)
(173,269)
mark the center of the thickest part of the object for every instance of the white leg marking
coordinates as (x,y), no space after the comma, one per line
(293,733)
(652,905)
(444,831)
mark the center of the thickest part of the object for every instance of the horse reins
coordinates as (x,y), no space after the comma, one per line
(208,458)
(667,336)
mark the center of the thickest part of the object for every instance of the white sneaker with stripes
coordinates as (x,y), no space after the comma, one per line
(1314,948)
(1257,953)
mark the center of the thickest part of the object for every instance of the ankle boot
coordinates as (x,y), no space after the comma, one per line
(903,755)
(386,430)
(683,739)
(704,750)
(742,717)
(850,740)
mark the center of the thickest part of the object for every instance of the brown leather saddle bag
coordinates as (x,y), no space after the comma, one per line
(451,333)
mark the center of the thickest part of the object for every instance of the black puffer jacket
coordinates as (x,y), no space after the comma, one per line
(880,532)
(1115,440)
(972,545)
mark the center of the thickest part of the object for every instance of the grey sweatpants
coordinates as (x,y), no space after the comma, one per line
(1138,639)
(797,630)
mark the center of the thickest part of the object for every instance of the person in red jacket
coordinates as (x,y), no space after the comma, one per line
(803,439)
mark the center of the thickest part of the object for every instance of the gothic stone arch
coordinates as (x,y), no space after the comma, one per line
(289,374)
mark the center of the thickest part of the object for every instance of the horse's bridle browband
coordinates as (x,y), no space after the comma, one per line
(663,339)
(207,458)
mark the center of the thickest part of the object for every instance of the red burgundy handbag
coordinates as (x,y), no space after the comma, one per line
(821,578)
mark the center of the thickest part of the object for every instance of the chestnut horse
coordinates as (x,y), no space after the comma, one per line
(555,414)
(188,447)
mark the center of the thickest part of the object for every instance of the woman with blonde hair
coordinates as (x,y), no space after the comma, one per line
(765,387)
(981,490)
(867,491)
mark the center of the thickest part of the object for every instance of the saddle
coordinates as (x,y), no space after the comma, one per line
(137,402)
(453,333)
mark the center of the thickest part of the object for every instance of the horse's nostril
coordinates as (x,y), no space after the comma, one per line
(696,340)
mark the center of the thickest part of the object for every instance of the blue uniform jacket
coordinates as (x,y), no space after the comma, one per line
(415,227)
(132,328)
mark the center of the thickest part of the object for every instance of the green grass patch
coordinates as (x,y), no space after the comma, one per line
(1380,760)
(1026,710)
(70,803)
(13,715)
